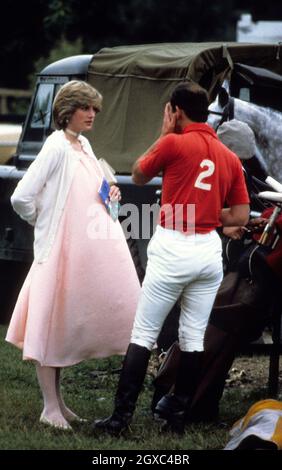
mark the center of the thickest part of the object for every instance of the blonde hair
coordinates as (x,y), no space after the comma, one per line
(71,96)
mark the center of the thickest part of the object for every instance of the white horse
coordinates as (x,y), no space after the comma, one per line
(266,124)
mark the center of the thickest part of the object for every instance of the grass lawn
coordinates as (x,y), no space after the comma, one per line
(88,389)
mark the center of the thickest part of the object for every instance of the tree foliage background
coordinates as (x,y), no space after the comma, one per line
(36,32)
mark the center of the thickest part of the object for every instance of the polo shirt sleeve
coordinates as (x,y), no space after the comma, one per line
(238,193)
(158,157)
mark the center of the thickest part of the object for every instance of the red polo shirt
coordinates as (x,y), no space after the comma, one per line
(200,175)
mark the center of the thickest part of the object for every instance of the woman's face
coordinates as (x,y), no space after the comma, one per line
(82,119)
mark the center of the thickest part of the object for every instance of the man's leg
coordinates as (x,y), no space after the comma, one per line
(144,335)
(159,294)
(197,301)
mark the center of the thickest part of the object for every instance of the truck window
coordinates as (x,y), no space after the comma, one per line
(39,123)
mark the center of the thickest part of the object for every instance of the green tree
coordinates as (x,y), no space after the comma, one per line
(63,48)
(35,27)
(22,40)
(108,22)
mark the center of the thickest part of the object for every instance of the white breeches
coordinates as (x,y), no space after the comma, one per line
(182,267)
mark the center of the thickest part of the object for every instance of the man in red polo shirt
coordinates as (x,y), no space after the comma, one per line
(200,177)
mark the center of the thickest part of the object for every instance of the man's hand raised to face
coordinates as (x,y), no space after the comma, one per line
(169,120)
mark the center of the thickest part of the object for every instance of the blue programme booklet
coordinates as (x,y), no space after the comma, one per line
(111,206)
(104,192)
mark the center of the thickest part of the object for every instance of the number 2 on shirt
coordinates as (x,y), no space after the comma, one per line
(204,174)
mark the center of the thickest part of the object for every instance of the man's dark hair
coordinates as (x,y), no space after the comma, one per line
(192,99)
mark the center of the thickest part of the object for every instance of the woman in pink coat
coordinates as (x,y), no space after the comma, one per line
(74,303)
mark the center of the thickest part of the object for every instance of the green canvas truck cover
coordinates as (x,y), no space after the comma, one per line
(136,82)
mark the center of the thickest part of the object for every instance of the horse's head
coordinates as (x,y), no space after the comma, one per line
(220,109)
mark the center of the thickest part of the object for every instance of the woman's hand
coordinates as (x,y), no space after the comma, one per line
(115,194)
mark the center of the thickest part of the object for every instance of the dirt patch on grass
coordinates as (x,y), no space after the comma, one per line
(249,372)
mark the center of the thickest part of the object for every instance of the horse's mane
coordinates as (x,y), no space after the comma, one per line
(267,126)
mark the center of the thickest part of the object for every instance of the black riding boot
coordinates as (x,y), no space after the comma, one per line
(130,383)
(173,408)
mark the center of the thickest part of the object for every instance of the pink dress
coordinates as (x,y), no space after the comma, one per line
(81,302)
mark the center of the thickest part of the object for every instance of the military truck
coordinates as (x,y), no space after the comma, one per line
(136,82)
